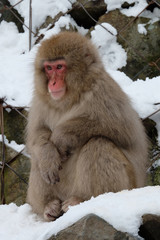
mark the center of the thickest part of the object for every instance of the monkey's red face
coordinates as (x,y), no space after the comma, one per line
(55,72)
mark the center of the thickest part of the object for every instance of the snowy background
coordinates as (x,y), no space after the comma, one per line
(16,85)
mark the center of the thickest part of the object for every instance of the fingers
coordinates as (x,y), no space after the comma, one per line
(70,202)
(52,210)
(51,175)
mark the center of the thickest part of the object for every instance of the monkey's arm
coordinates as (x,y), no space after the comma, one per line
(44,154)
(74,134)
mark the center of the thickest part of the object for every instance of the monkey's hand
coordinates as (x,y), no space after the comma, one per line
(50,164)
(65,142)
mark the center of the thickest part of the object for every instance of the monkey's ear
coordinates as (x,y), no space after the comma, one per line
(91,53)
(89,58)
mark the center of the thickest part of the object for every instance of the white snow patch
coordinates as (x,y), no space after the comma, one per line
(123,210)
(112,53)
(142,29)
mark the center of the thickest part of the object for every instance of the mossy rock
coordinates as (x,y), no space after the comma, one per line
(14,125)
(154,168)
(15,188)
(154,176)
(142,50)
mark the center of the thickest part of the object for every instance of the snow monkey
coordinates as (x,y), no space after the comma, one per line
(83,136)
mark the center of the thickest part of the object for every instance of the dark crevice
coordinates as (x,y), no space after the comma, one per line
(150,229)
(95,9)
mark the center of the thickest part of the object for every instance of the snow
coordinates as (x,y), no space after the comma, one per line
(132,11)
(64,21)
(139,6)
(142,29)
(50,8)
(13,144)
(154,16)
(156,163)
(112,53)
(123,209)
(143,94)
(16,79)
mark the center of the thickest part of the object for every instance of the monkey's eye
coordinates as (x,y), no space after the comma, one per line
(59,66)
(49,67)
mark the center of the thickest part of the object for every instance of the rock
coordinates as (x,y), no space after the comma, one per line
(154,175)
(116,19)
(8,16)
(91,227)
(14,125)
(51,23)
(142,50)
(127,5)
(153,5)
(94,8)
(150,229)
(14,188)
(151,129)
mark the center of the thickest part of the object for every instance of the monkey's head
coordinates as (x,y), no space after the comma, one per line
(63,66)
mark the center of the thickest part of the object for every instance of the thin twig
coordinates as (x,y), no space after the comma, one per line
(158,4)
(10,106)
(15,108)
(155,64)
(19,19)
(30,24)
(93,18)
(126,26)
(16,173)
(15,157)
(3,154)
(137,74)
(151,114)
(16,4)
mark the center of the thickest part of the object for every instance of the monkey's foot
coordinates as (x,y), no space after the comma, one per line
(70,202)
(52,210)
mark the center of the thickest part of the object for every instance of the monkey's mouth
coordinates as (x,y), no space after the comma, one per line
(58,94)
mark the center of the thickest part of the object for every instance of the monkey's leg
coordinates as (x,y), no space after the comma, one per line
(71,202)
(41,196)
(52,210)
(102,167)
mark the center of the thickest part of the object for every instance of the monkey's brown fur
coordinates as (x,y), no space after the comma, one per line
(92,132)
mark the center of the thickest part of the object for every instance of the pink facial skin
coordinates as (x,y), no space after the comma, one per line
(55,73)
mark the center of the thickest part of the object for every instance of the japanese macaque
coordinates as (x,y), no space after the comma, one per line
(83,136)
